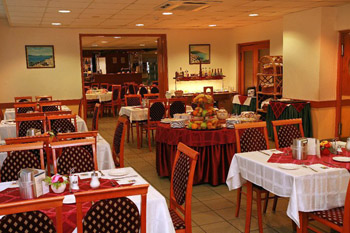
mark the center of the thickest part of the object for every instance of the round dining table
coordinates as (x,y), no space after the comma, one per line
(216,149)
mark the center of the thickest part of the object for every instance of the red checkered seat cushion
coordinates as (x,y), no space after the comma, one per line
(75,157)
(25,110)
(181,173)
(157,111)
(333,215)
(177,221)
(252,140)
(286,134)
(62,126)
(50,108)
(133,101)
(25,125)
(117,140)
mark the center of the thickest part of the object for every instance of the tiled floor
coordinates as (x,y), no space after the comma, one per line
(213,208)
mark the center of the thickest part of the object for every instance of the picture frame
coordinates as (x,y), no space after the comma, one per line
(40,56)
(199,53)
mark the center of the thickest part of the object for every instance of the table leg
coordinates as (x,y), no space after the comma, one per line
(138,134)
(249,206)
(303,219)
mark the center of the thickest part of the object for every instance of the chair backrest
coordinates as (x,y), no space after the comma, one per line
(176,105)
(50,106)
(64,112)
(125,217)
(208,90)
(132,88)
(285,131)
(62,123)
(182,181)
(25,123)
(80,107)
(86,88)
(30,114)
(118,141)
(251,137)
(155,83)
(21,99)
(104,85)
(95,86)
(116,91)
(156,110)
(95,117)
(43,98)
(74,155)
(24,215)
(123,92)
(151,96)
(25,107)
(143,90)
(19,156)
(154,89)
(133,100)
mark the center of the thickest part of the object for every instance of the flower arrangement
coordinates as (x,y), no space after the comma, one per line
(325,147)
(56,181)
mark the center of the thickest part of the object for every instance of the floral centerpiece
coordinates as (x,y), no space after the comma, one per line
(58,183)
(325,147)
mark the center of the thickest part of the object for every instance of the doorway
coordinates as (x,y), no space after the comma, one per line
(343,87)
(249,55)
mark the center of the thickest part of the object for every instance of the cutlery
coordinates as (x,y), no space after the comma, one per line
(112,183)
(304,165)
(332,164)
(264,153)
(123,177)
(102,174)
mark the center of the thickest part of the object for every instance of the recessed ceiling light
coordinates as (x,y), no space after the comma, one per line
(212,25)
(156,41)
(64,11)
(253,15)
(94,45)
(140,25)
(167,13)
(117,37)
(104,42)
(56,24)
(142,45)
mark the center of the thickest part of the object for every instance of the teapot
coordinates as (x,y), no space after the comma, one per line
(222,114)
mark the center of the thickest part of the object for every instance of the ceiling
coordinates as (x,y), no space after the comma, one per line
(125,14)
(107,42)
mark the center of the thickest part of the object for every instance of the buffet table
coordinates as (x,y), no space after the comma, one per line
(216,148)
(243,103)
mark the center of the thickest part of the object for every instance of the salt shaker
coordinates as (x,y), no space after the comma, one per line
(95,183)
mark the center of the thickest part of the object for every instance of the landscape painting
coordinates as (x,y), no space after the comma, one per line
(40,56)
(199,53)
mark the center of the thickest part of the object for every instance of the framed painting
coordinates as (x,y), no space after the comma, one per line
(199,53)
(40,56)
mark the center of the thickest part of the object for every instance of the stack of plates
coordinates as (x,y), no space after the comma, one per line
(184,116)
(230,122)
(177,123)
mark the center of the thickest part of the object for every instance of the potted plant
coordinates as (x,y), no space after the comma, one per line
(58,183)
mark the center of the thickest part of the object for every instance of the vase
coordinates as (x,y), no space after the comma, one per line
(325,151)
(59,189)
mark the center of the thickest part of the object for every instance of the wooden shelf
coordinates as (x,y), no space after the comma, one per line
(269,93)
(195,78)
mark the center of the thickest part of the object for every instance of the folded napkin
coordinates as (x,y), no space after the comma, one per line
(6,185)
(272,151)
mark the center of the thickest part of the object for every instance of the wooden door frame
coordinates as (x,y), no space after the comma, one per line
(241,48)
(162,58)
(339,100)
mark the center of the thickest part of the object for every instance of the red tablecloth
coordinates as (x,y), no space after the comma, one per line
(216,149)
(68,211)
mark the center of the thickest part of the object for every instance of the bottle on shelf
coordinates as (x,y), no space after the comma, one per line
(205,72)
(209,73)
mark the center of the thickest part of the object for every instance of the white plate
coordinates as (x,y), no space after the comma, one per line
(341,159)
(69,199)
(288,166)
(117,172)
(166,120)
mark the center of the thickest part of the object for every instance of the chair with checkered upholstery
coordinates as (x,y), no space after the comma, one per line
(132,100)
(43,98)
(20,156)
(50,106)
(143,90)
(24,107)
(336,218)
(25,215)
(21,99)
(113,211)
(181,188)
(176,105)
(156,112)
(116,100)
(118,141)
(285,131)
(95,117)
(71,154)
(23,124)
(62,123)
(154,89)
(253,137)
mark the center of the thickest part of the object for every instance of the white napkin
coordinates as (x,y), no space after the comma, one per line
(6,185)
(272,151)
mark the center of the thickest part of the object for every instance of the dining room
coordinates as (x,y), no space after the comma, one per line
(174,116)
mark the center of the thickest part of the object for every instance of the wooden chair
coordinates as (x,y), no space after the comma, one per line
(176,105)
(208,90)
(24,107)
(253,137)
(119,140)
(43,98)
(19,156)
(25,123)
(30,114)
(156,112)
(104,86)
(95,117)
(143,90)
(154,89)
(22,99)
(112,200)
(50,106)
(336,218)
(95,86)
(25,215)
(181,188)
(155,83)
(45,138)
(116,100)
(132,88)
(62,123)
(151,96)
(80,108)
(74,155)
(287,132)
(53,113)
(133,100)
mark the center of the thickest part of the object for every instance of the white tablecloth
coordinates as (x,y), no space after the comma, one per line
(8,128)
(308,190)
(10,112)
(102,97)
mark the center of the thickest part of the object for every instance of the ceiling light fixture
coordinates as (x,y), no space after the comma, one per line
(253,15)
(142,45)
(117,37)
(64,11)
(212,25)
(104,42)
(140,25)
(94,45)
(56,24)
(167,13)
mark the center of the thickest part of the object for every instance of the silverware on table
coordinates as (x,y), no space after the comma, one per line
(123,177)
(304,165)
(264,153)
(112,183)
(102,174)
(335,165)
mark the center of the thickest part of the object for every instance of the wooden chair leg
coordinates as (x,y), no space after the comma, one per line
(259,210)
(303,219)
(141,133)
(128,132)
(266,201)
(132,132)
(238,202)
(275,199)
(149,140)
